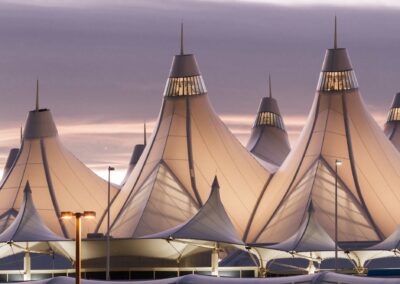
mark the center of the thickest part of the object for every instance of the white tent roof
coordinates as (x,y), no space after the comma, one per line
(392,242)
(189,146)
(392,125)
(58,180)
(268,139)
(339,127)
(211,223)
(309,237)
(28,225)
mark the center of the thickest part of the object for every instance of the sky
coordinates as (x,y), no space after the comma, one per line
(102,65)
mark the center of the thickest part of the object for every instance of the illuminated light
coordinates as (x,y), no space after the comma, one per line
(394,114)
(89,215)
(185,86)
(269,118)
(67,215)
(337,81)
(338,163)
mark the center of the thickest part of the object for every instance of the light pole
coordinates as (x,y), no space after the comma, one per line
(338,163)
(78,236)
(108,223)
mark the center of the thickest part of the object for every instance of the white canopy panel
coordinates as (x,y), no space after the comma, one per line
(58,180)
(339,127)
(190,145)
(210,223)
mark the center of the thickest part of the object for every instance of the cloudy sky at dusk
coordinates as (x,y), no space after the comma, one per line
(102,64)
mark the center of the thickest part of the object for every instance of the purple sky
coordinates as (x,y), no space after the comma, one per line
(103,67)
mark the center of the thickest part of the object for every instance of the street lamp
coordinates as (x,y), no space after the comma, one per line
(108,223)
(338,163)
(78,236)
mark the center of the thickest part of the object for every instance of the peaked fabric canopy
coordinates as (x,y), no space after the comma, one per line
(28,226)
(268,139)
(339,127)
(189,146)
(392,125)
(392,242)
(211,223)
(309,237)
(58,180)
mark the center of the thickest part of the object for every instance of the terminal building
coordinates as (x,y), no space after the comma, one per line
(197,201)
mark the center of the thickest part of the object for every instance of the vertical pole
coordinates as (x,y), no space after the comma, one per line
(214,261)
(108,226)
(78,248)
(27,266)
(336,218)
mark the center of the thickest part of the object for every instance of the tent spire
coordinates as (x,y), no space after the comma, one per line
(182,38)
(335,35)
(37,95)
(144,134)
(269,85)
(27,188)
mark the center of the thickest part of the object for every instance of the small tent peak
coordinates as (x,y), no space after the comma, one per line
(27,189)
(215,184)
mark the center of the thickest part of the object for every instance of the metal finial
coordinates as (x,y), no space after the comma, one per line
(37,95)
(270,85)
(182,38)
(335,35)
(144,134)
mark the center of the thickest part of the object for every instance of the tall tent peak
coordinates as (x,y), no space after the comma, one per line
(184,76)
(337,71)
(40,124)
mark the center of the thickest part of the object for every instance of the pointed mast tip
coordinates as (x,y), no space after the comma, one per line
(335,35)
(182,38)
(270,85)
(37,94)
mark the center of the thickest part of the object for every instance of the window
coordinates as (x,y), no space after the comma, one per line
(184,86)
(337,81)
(394,114)
(269,118)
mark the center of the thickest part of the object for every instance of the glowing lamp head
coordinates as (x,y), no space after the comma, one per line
(67,215)
(338,163)
(89,215)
